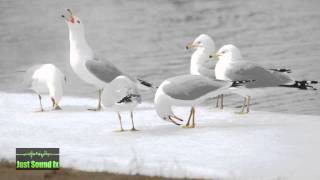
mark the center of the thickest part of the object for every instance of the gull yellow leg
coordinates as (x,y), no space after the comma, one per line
(133,128)
(57,107)
(243,106)
(188,122)
(55,104)
(193,116)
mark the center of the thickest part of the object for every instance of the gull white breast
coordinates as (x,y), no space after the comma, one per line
(201,63)
(122,95)
(91,69)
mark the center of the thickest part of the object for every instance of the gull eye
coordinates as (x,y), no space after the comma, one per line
(223,52)
(199,42)
(78,21)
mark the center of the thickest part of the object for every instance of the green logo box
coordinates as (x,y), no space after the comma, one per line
(37,159)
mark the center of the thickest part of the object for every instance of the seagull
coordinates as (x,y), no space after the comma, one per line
(188,90)
(232,67)
(122,94)
(86,65)
(46,79)
(201,64)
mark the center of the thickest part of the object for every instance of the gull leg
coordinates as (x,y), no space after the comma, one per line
(99,101)
(221,101)
(217,103)
(188,122)
(55,104)
(57,107)
(132,129)
(41,108)
(193,116)
(119,117)
(243,106)
(248,103)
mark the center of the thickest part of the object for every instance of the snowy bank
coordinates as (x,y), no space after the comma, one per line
(260,145)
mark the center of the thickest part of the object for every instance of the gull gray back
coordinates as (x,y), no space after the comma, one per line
(263,78)
(191,87)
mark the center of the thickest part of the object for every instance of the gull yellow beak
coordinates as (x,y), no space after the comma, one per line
(190,46)
(215,56)
(70,11)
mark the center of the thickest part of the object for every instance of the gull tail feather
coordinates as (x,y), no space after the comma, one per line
(303,85)
(283,70)
(144,85)
(129,98)
(241,83)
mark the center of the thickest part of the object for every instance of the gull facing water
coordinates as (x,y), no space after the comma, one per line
(46,79)
(231,67)
(200,63)
(86,65)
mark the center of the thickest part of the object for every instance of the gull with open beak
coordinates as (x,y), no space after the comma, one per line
(200,63)
(86,65)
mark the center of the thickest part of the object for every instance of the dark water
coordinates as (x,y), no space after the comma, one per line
(147,39)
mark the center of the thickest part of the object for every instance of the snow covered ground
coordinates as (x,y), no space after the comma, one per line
(260,145)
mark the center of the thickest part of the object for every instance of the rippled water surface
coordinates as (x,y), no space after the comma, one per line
(147,39)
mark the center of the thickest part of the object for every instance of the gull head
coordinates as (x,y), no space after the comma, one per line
(74,23)
(167,115)
(202,42)
(162,104)
(228,52)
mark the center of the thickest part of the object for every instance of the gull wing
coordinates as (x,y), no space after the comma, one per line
(250,71)
(104,70)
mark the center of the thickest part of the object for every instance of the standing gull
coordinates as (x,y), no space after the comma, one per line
(85,64)
(190,90)
(122,94)
(200,63)
(46,79)
(232,67)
